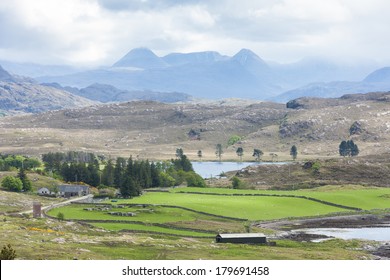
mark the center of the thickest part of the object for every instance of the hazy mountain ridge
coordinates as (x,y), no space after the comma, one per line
(211,75)
(107,93)
(22,95)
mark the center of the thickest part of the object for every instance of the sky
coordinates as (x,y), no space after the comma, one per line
(99,32)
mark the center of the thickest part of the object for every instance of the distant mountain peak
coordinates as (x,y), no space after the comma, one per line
(379,76)
(246,56)
(141,58)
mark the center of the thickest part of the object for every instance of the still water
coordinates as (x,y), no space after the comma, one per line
(371,233)
(208,169)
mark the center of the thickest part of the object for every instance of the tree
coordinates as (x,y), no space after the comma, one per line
(219,151)
(294,152)
(343,149)
(273,156)
(236,182)
(119,172)
(166,180)
(233,140)
(353,148)
(60,216)
(179,152)
(108,174)
(348,148)
(240,152)
(257,153)
(7,253)
(200,155)
(26,183)
(11,183)
(194,180)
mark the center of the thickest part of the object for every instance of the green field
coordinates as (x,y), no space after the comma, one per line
(366,198)
(213,210)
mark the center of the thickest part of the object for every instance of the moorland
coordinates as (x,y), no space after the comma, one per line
(181,222)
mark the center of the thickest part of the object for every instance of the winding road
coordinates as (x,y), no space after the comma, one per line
(63,203)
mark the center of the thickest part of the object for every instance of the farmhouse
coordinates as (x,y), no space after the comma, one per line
(44,191)
(73,190)
(241,238)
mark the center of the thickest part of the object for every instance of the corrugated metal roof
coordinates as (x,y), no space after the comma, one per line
(72,188)
(240,235)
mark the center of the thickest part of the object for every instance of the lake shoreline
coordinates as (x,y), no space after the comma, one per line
(289,229)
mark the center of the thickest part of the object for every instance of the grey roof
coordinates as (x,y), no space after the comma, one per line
(73,188)
(240,235)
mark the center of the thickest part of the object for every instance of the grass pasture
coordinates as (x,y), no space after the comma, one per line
(206,211)
(159,231)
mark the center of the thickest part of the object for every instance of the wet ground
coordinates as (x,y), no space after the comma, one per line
(289,229)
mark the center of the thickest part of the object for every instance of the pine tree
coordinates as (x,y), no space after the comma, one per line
(343,149)
(119,172)
(25,181)
(240,152)
(294,152)
(108,174)
(219,151)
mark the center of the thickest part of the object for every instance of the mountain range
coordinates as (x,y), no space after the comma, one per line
(177,77)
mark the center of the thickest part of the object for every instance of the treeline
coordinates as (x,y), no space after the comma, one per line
(127,175)
(9,162)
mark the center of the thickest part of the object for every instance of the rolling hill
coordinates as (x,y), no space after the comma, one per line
(155,130)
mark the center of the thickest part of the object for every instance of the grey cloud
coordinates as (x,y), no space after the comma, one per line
(144,5)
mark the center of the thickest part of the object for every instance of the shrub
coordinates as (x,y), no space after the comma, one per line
(194,180)
(11,183)
(7,253)
(233,140)
(60,216)
(236,183)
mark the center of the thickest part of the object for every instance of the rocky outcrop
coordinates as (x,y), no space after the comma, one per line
(34,98)
(294,129)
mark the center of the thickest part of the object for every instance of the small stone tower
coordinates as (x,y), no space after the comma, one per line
(37,209)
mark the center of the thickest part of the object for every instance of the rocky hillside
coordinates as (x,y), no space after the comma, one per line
(21,95)
(33,98)
(154,130)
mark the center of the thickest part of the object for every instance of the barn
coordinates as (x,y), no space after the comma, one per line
(73,190)
(241,238)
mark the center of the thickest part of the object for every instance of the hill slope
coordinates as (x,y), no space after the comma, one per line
(21,95)
(155,130)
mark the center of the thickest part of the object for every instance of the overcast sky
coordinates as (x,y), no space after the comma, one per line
(99,32)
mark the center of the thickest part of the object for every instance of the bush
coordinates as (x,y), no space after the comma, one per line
(12,184)
(7,253)
(60,216)
(233,140)
(236,183)
(194,180)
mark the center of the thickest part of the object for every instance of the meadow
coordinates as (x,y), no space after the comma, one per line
(207,211)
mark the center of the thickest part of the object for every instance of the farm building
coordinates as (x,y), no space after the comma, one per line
(44,191)
(73,190)
(241,238)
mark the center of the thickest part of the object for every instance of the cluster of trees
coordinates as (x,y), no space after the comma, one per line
(54,161)
(348,148)
(18,183)
(127,175)
(257,153)
(9,162)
